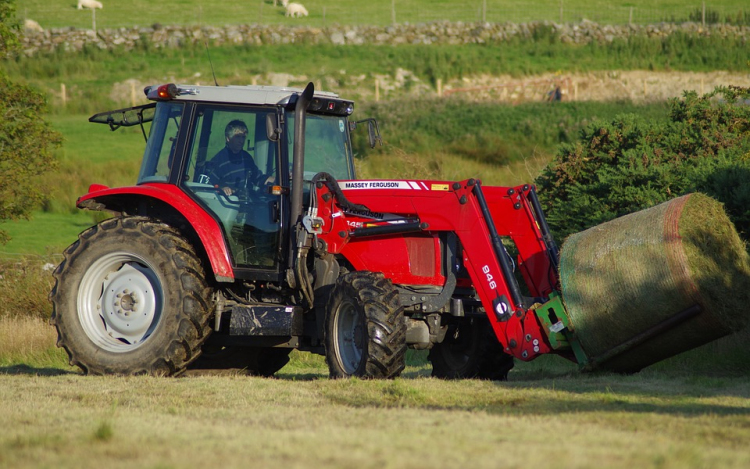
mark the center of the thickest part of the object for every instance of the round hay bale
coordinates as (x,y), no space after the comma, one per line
(655,283)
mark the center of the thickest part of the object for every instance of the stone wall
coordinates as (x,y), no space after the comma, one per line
(159,36)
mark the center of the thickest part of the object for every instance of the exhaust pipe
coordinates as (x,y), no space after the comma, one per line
(298,152)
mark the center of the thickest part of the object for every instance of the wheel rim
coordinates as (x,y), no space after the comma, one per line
(349,337)
(120,302)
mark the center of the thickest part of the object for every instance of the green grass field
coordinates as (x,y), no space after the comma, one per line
(323,12)
(45,235)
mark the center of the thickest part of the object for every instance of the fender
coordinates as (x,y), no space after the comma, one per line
(209,231)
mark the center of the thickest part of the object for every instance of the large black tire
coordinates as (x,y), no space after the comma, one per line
(470,350)
(130,297)
(254,361)
(365,332)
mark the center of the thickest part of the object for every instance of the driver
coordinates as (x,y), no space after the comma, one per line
(233,167)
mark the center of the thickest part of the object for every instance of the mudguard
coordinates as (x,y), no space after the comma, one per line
(122,199)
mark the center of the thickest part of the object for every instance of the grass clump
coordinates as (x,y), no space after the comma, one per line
(104,431)
(24,285)
(28,345)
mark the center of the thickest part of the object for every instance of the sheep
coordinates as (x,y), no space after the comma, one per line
(31,25)
(89,4)
(295,9)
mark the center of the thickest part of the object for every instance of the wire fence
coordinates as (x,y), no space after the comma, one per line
(488,11)
(380,13)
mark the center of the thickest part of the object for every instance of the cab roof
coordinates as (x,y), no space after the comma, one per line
(248,94)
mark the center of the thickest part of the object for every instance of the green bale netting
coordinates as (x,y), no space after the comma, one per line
(679,266)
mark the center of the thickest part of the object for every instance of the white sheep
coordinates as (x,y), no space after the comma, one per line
(89,4)
(31,25)
(295,9)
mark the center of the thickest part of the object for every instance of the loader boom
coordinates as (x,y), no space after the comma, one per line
(479,217)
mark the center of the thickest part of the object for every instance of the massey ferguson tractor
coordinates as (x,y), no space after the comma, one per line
(299,254)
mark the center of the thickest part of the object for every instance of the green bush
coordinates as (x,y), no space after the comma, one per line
(26,140)
(631,162)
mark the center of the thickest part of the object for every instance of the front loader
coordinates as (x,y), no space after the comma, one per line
(185,276)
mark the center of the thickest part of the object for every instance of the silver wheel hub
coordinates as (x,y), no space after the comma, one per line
(128,303)
(119,301)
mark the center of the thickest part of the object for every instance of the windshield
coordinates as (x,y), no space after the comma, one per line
(327,146)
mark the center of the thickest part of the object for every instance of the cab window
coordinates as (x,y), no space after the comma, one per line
(159,155)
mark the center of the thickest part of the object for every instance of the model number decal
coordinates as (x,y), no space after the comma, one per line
(490,279)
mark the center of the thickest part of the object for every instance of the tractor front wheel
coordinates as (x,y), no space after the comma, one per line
(130,297)
(365,332)
(470,350)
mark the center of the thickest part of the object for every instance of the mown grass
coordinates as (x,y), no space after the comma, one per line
(53,417)
(688,412)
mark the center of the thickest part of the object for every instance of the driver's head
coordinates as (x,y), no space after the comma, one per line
(236,134)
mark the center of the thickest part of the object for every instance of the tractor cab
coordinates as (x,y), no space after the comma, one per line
(230,149)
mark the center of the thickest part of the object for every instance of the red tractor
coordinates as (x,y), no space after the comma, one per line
(247,235)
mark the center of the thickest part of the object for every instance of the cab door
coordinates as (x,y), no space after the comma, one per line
(250,216)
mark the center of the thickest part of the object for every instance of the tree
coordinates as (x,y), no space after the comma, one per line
(26,140)
(630,163)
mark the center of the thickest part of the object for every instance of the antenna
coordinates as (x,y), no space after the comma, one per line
(211,63)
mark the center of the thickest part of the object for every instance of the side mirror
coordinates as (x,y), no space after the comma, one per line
(272,127)
(373,131)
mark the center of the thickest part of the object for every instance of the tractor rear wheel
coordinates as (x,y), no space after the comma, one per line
(130,297)
(365,332)
(470,350)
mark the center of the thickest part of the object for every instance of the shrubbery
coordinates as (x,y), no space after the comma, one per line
(631,163)
(26,139)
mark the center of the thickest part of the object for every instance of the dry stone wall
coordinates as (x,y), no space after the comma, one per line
(159,36)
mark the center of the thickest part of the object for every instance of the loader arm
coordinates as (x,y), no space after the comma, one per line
(479,218)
